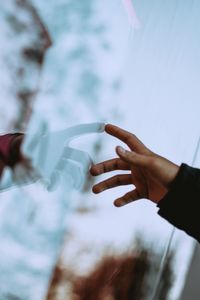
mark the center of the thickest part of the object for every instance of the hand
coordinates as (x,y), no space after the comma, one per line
(150,173)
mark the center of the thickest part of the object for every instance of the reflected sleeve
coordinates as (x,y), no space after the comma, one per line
(181,205)
(9,154)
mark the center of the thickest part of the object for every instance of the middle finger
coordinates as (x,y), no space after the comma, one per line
(117,180)
(109,165)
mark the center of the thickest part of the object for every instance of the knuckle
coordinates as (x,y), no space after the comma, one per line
(103,168)
(117,179)
(116,164)
(110,166)
(106,184)
(152,161)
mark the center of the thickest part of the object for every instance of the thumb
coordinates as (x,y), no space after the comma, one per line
(132,157)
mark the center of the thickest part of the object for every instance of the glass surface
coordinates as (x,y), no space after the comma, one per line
(65,63)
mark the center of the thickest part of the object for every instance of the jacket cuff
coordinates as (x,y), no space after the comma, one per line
(180,204)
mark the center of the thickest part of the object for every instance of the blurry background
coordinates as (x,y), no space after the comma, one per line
(76,62)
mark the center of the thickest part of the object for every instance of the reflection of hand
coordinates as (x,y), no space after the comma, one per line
(150,173)
(52,156)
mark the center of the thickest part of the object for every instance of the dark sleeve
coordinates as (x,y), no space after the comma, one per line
(9,152)
(181,205)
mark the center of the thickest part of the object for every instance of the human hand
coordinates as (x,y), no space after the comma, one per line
(150,173)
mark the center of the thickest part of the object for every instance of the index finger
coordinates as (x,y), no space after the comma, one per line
(128,138)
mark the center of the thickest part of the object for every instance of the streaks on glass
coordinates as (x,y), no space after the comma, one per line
(133,19)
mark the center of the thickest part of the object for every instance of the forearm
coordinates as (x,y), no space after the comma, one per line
(181,204)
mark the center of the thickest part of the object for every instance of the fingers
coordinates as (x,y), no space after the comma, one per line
(112,182)
(128,138)
(127,198)
(109,165)
(133,158)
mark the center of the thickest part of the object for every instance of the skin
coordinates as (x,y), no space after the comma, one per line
(149,173)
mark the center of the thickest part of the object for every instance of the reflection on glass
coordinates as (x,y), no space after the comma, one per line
(94,71)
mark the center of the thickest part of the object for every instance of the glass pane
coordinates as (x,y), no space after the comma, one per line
(66,63)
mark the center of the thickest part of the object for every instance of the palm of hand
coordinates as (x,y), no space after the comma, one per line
(146,185)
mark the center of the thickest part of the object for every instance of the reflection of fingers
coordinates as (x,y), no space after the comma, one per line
(114,181)
(127,198)
(76,155)
(128,138)
(109,165)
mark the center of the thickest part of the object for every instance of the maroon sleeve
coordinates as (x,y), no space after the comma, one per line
(8,155)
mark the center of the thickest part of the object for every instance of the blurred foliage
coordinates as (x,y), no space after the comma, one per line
(27,40)
(128,276)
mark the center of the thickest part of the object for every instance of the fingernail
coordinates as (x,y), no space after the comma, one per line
(120,203)
(97,189)
(100,189)
(93,171)
(121,150)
